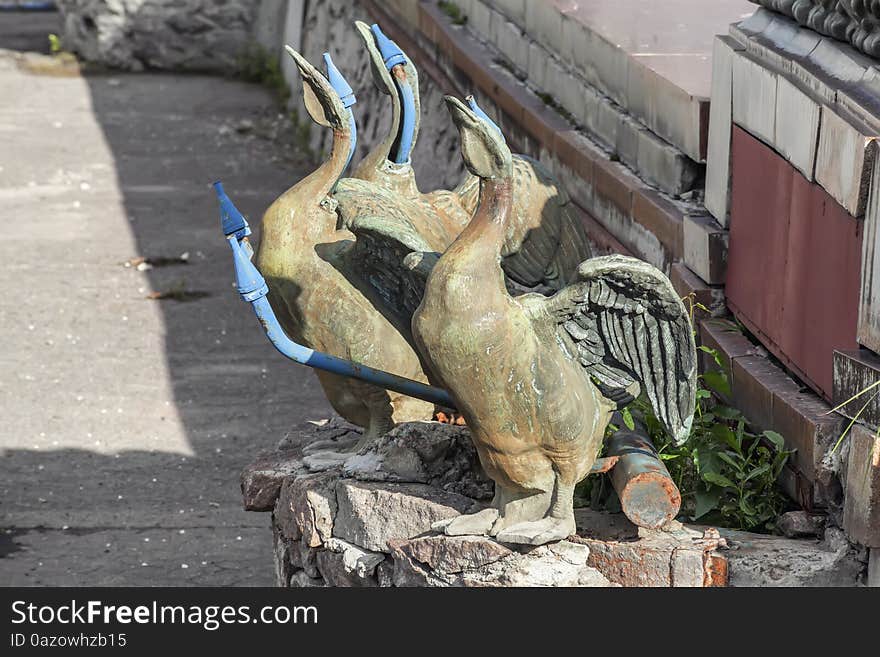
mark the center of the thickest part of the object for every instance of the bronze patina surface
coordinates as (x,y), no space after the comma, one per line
(538,378)
(318,299)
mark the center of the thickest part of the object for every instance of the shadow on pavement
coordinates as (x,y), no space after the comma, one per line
(158,502)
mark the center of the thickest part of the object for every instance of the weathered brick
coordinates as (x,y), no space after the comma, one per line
(861,511)
(754,97)
(614,184)
(803,420)
(661,217)
(845,159)
(687,283)
(705,247)
(576,152)
(855,371)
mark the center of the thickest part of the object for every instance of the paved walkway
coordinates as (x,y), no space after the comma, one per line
(126,420)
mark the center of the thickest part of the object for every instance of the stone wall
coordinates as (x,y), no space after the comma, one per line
(192,35)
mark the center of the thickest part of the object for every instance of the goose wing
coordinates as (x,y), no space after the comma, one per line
(385,237)
(628,328)
(549,241)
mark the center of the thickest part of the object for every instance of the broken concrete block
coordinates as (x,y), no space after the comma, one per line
(284,516)
(434,453)
(705,248)
(796,126)
(763,560)
(632,556)
(261,480)
(313,500)
(687,283)
(452,554)
(300,579)
(717,199)
(344,564)
(370,515)
(800,524)
(662,164)
(754,97)
(281,558)
(845,160)
(861,510)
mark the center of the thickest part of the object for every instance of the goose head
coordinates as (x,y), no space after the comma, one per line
(307,206)
(394,75)
(483,147)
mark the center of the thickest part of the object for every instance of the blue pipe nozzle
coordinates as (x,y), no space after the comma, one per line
(253,288)
(339,83)
(390,51)
(472,103)
(231,219)
(346,94)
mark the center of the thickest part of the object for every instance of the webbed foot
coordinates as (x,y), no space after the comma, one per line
(538,532)
(471,524)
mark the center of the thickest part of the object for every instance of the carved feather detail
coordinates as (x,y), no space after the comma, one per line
(630,327)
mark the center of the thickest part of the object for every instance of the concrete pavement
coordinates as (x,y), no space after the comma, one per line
(127,420)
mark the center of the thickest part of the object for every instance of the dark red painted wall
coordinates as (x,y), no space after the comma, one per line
(793,262)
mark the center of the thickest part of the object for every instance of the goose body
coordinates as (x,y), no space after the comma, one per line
(521,369)
(317,298)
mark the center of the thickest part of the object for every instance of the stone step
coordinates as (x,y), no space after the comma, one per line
(771,399)
(653,63)
(861,511)
(854,371)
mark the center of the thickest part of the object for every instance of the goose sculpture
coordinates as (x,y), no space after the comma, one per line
(554,240)
(318,299)
(535,377)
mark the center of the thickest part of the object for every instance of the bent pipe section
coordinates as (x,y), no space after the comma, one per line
(394,61)
(648,496)
(253,288)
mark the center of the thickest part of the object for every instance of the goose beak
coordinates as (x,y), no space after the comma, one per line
(461,113)
(305,69)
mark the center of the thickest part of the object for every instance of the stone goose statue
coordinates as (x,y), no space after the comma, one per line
(317,298)
(555,242)
(535,377)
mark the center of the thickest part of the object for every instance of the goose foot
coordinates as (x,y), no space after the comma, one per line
(342,445)
(538,532)
(471,524)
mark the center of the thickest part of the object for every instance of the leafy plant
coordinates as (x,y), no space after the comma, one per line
(727,475)
(257,65)
(54,44)
(453,11)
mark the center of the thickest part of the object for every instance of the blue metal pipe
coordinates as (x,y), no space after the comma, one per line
(253,288)
(346,94)
(393,57)
(407,121)
(472,103)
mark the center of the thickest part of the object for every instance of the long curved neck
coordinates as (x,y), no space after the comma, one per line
(382,151)
(489,223)
(476,253)
(297,213)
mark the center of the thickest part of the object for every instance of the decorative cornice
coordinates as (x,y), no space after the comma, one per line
(854,21)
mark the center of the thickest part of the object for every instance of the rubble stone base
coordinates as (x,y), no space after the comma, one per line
(365,520)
